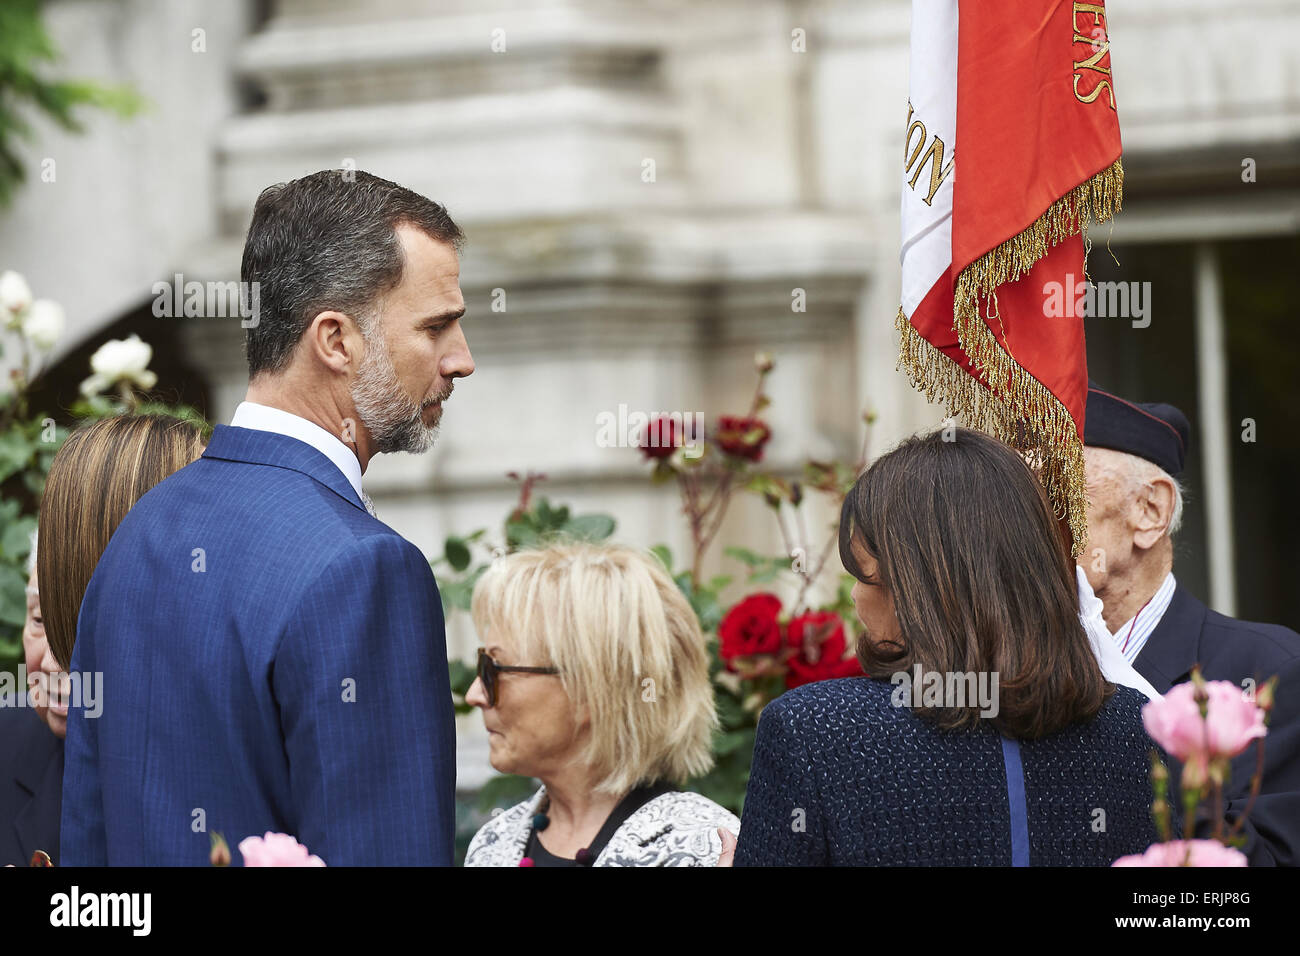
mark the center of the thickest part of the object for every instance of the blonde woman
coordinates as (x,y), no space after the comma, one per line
(594,679)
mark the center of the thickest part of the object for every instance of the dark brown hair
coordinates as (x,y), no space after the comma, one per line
(981,580)
(98,475)
(327,241)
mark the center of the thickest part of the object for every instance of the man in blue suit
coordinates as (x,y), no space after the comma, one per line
(273,656)
(1134,455)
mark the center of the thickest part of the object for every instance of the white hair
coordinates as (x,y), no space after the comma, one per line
(614,624)
(1142,472)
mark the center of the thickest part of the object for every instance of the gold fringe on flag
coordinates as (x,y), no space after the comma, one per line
(1007,401)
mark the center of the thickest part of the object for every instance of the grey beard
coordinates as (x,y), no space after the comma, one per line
(394,422)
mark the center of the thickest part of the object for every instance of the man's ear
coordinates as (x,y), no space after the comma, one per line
(334,341)
(1153,510)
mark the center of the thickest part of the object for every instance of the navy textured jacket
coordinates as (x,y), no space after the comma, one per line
(273,658)
(842,777)
(1232,650)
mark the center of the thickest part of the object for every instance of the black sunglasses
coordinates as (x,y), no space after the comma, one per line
(488,669)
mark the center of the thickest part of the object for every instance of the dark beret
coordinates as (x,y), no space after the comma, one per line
(1154,431)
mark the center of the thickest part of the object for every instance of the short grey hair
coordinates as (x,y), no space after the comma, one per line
(328,241)
(1142,472)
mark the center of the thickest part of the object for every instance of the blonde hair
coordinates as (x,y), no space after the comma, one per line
(98,475)
(628,647)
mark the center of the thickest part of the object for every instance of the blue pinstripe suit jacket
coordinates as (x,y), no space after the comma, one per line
(273,658)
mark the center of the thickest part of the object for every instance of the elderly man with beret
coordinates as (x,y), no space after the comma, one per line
(1134,456)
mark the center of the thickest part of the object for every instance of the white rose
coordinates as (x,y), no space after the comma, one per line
(44,324)
(15,295)
(120,360)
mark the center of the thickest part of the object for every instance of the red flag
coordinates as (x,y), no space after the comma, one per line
(1012,150)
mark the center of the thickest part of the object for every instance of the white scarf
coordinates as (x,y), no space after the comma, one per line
(1113,665)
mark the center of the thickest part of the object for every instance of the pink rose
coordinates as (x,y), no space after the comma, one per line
(1174,722)
(1231,721)
(276,849)
(1234,721)
(1186,853)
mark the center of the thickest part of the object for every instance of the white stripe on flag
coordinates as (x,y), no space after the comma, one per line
(926,249)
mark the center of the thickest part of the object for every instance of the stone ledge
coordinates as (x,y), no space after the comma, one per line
(321,45)
(514,114)
(656,248)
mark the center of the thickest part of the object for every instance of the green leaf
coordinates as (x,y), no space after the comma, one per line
(185,413)
(461,676)
(505,791)
(521,534)
(595,527)
(98,406)
(457,593)
(706,607)
(549,518)
(34,480)
(545,516)
(745,555)
(457,553)
(27,89)
(730,712)
(16,537)
(718,582)
(456,596)
(734,740)
(661,552)
(13,596)
(15,452)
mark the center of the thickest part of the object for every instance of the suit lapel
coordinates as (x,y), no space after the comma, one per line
(257,447)
(1174,646)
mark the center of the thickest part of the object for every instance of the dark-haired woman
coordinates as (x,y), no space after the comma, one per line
(985,733)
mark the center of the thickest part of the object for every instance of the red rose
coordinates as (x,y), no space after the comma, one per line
(751,627)
(661,437)
(819,646)
(743,437)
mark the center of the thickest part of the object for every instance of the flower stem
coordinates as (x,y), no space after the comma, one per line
(1256,782)
(127,394)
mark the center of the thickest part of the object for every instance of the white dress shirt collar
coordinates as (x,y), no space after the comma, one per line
(1131,636)
(267,419)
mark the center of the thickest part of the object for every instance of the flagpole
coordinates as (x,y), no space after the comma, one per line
(1216,461)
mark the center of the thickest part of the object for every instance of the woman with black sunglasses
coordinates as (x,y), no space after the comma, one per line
(594,679)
